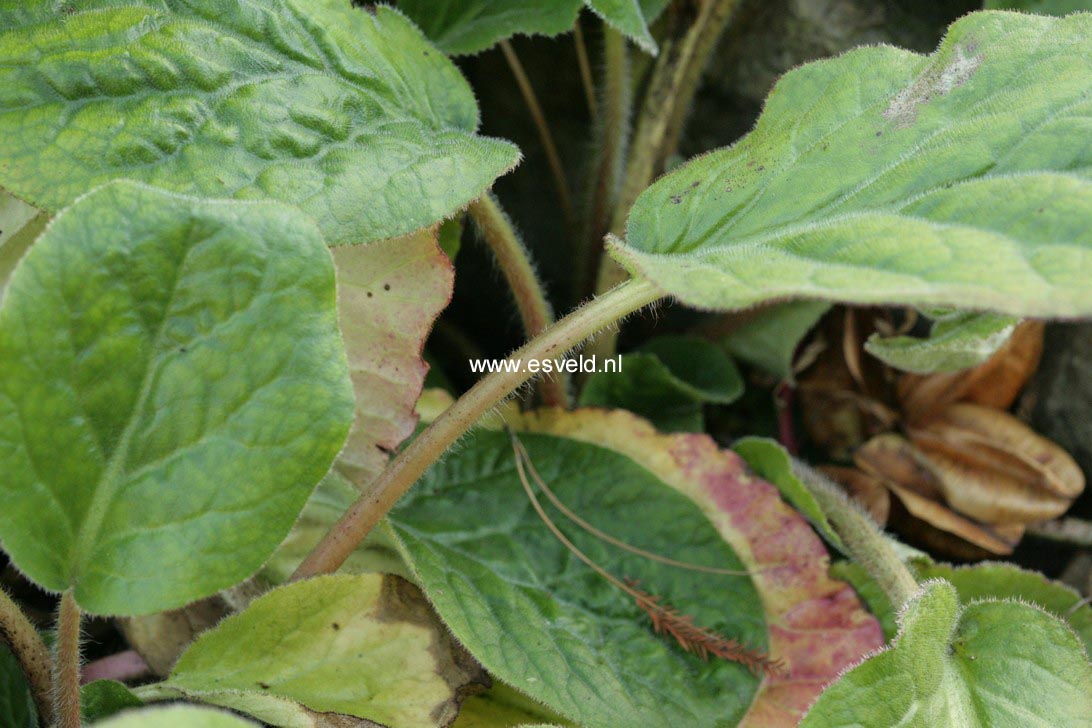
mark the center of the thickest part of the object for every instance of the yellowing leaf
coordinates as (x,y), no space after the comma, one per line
(365,646)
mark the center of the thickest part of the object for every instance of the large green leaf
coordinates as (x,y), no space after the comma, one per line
(20,224)
(172,387)
(175,716)
(960,178)
(545,623)
(667,381)
(365,646)
(957,340)
(470,26)
(349,114)
(991,663)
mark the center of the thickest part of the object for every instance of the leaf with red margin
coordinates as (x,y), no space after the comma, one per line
(389,295)
(544,623)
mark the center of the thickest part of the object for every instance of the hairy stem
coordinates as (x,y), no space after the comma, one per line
(585,70)
(415,459)
(670,92)
(26,644)
(861,536)
(519,272)
(612,133)
(546,137)
(66,664)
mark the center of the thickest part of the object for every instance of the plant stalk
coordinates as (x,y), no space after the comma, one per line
(670,93)
(519,272)
(612,134)
(66,664)
(30,651)
(861,536)
(585,70)
(546,137)
(422,452)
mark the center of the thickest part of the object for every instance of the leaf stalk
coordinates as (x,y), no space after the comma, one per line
(527,290)
(402,472)
(66,664)
(30,651)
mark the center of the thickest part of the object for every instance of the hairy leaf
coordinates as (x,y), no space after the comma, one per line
(175,716)
(366,646)
(989,663)
(631,17)
(172,387)
(103,698)
(471,26)
(1044,7)
(772,462)
(769,338)
(543,622)
(349,114)
(955,342)
(667,382)
(16,704)
(389,294)
(875,177)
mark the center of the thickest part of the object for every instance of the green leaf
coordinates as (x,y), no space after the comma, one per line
(103,698)
(543,622)
(501,707)
(175,716)
(16,703)
(667,382)
(870,592)
(366,646)
(349,114)
(631,17)
(1043,7)
(770,337)
(771,462)
(20,224)
(875,177)
(957,341)
(991,663)
(389,295)
(470,26)
(172,387)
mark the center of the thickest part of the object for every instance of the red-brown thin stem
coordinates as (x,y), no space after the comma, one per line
(66,664)
(30,651)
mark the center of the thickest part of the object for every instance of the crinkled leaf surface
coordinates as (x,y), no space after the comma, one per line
(957,341)
(769,339)
(366,646)
(667,382)
(389,295)
(175,716)
(349,114)
(172,387)
(991,663)
(102,698)
(470,26)
(876,176)
(16,704)
(546,624)
(772,462)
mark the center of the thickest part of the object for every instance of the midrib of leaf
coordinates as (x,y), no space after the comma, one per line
(732,217)
(103,496)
